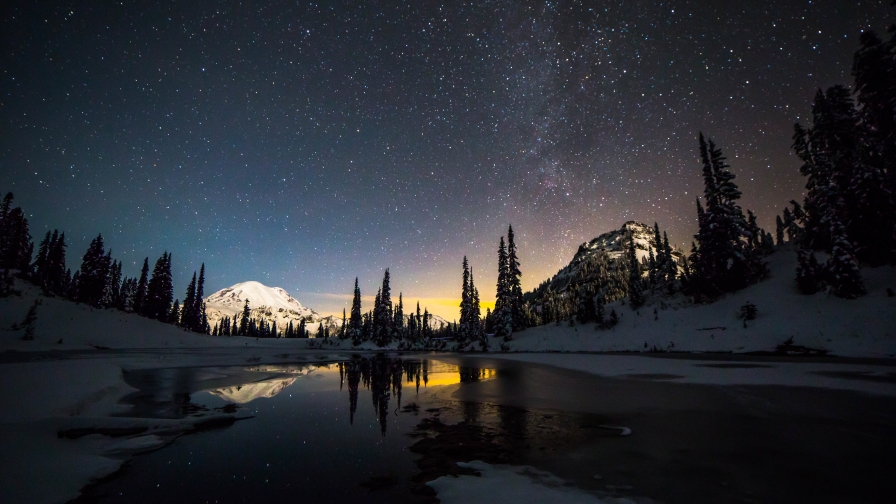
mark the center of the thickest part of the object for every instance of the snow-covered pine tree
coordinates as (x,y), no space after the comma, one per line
(842,267)
(635,294)
(724,260)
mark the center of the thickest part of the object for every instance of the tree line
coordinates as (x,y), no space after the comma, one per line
(98,282)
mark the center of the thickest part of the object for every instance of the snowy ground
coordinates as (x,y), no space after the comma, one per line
(861,327)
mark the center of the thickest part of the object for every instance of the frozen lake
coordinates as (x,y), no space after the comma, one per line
(343,431)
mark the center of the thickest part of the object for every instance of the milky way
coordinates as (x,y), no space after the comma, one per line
(303,145)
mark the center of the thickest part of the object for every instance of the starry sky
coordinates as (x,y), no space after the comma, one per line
(302,144)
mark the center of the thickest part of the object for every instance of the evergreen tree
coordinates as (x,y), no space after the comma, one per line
(159,290)
(465,330)
(779,230)
(477,334)
(140,305)
(809,274)
(188,315)
(635,294)
(398,317)
(39,267)
(200,315)
(383,318)
(503,313)
(514,285)
(843,269)
(342,328)
(724,260)
(244,320)
(174,314)
(16,247)
(56,271)
(93,273)
(355,321)
(303,332)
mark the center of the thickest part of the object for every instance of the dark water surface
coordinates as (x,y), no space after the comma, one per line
(321,431)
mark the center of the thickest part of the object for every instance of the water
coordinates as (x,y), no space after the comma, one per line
(321,432)
(318,432)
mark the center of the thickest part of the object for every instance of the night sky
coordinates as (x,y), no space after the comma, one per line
(303,144)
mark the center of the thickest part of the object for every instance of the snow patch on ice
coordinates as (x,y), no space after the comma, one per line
(505,484)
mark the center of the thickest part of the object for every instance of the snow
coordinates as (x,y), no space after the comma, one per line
(862,327)
(232,299)
(505,484)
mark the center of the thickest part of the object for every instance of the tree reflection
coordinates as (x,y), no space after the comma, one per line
(384,377)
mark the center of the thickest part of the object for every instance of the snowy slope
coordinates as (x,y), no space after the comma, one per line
(272,304)
(859,327)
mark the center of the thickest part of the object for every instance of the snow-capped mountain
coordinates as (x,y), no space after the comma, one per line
(272,304)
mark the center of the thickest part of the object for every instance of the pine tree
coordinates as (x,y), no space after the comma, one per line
(809,274)
(384,323)
(16,247)
(244,320)
(503,313)
(843,269)
(39,267)
(159,290)
(199,312)
(174,314)
(56,271)
(93,273)
(355,321)
(188,315)
(398,317)
(514,285)
(140,304)
(466,308)
(779,230)
(476,334)
(670,267)
(342,329)
(635,294)
(724,260)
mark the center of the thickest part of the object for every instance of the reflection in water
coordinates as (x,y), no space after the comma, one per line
(384,377)
(241,394)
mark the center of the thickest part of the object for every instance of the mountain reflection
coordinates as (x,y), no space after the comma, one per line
(385,376)
(241,394)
